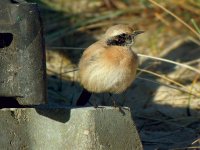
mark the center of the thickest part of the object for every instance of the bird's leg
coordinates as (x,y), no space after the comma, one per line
(95,103)
(117,106)
(113,100)
(124,98)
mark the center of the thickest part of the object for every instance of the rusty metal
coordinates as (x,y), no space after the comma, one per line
(22,53)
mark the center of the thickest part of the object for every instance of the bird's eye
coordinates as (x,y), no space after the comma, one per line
(123,35)
(129,37)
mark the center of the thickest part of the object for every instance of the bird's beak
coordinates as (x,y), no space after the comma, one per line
(135,33)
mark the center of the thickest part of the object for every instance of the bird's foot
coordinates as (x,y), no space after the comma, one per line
(120,109)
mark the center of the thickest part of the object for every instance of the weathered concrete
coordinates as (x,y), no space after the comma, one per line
(22,53)
(68,129)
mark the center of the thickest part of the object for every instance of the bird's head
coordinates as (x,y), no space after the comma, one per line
(121,35)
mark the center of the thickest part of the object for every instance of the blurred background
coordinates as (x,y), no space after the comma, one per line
(165,98)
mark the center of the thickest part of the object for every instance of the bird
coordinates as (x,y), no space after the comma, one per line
(108,65)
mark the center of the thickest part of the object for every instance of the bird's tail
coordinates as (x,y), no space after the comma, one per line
(84,98)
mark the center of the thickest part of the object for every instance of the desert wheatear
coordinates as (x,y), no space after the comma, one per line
(109,65)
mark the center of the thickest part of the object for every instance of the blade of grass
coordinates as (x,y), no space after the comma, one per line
(82,22)
(185,89)
(195,25)
(176,17)
(167,85)
(86,21)
(172,62)
(190,96)
(161,76)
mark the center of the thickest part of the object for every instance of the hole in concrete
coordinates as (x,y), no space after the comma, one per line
(9,102)
(14,1)
(5,39)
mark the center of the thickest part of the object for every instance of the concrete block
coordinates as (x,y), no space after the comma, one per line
(87,128)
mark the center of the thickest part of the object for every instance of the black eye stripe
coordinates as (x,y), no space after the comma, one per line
(120,40)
